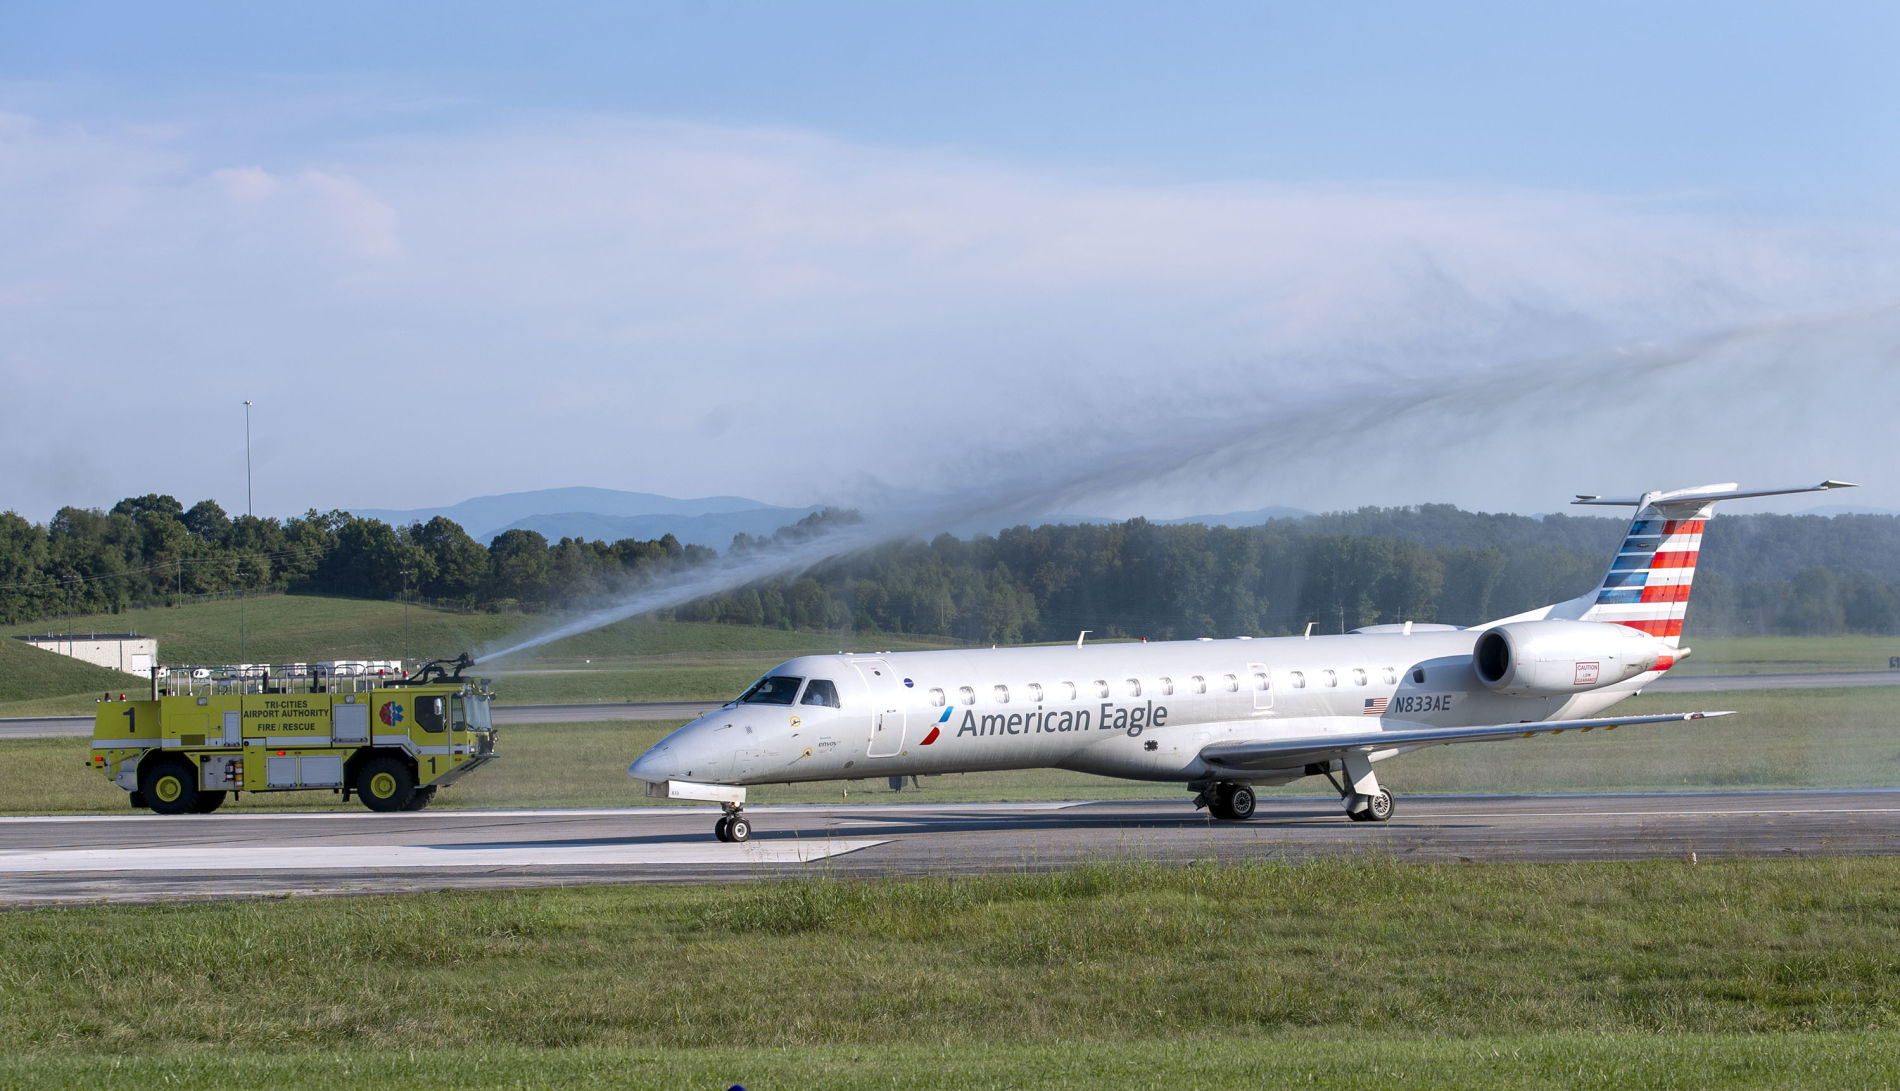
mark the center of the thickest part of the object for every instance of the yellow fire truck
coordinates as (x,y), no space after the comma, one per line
(209,732)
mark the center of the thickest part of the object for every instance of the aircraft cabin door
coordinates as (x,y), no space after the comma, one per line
(887,707)
(1261,682)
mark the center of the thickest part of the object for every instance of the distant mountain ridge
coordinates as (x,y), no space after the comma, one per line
(715,529)
(1238,518)
(609,515)
(604,514)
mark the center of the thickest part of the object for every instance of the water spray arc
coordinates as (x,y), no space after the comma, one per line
(1243,438)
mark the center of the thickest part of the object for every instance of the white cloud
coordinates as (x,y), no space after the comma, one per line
(694,309)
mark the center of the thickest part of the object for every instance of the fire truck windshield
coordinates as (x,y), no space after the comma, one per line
(470,713)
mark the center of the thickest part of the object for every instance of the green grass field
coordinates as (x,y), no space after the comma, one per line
(1780,739)
(1365,972)
(1616,1062)
(1788,654)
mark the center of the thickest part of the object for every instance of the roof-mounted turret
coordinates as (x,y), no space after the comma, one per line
(436,671)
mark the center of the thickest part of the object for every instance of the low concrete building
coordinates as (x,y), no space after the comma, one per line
(128,652)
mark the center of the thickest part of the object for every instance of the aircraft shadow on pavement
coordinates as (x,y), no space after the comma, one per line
(849,826)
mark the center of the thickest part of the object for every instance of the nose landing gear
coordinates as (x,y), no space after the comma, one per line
(733,825)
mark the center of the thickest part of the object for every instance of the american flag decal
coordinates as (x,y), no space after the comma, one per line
(1375,706)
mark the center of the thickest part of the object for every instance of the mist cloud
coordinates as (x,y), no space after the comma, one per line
(695,309)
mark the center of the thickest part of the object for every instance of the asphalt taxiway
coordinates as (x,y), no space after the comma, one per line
(52,727)
(136,858)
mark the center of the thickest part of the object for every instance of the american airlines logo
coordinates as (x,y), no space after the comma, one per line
(937,729)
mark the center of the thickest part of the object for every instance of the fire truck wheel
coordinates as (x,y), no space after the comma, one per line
(421,798)
(386,784)
(208,801)
(169,786)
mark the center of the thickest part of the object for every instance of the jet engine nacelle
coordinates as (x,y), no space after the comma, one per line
(1558,658)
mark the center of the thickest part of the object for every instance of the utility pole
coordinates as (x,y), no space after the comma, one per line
(241,575)
(406,573)
(247,460)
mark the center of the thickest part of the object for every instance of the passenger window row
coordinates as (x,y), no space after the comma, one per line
(1100,688)
(1390,675)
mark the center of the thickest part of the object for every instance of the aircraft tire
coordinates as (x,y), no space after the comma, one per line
(1378,808)
(170,786)
(720,828)
(1240,802)
(1232,802)
(738,830)
(1217,803)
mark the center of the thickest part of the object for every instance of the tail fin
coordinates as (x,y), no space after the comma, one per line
(1647,586)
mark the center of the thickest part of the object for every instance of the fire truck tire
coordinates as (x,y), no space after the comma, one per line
(170,786)
(386,784)
(208,801)
(422,797)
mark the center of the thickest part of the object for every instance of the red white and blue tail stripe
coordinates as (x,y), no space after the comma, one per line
(1647,586)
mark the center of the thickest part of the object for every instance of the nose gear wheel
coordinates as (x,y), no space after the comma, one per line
(733,826)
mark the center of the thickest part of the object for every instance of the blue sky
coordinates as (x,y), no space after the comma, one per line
(1778,106)
(632,244)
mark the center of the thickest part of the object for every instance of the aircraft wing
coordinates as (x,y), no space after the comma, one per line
(1304,750)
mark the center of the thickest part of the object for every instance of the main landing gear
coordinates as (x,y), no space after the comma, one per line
(1365,801)
(1359,790)
(1228,801)
(733,826)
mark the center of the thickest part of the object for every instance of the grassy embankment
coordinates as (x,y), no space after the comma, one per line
(29,675)
(637,660)
(1362,972)
(1781,739)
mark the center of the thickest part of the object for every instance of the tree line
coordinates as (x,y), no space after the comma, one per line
(1758,573)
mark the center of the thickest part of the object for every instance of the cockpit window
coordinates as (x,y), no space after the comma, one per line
(776,690)
(821,692)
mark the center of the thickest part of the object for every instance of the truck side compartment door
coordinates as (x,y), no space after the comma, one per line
(349,725)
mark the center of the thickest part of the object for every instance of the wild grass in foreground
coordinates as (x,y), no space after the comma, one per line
(1509,1063)
(1363,972)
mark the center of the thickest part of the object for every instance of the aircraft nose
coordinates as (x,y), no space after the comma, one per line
(655,766)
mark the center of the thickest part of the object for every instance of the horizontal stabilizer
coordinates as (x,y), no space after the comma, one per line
(1730,491)
(1269,754)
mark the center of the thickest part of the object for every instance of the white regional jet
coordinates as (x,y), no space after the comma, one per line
(1220,716)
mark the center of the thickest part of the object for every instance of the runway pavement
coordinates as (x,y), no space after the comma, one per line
(52,727)
(134,858)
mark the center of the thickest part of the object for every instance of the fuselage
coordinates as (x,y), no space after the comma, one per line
(1143,711)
